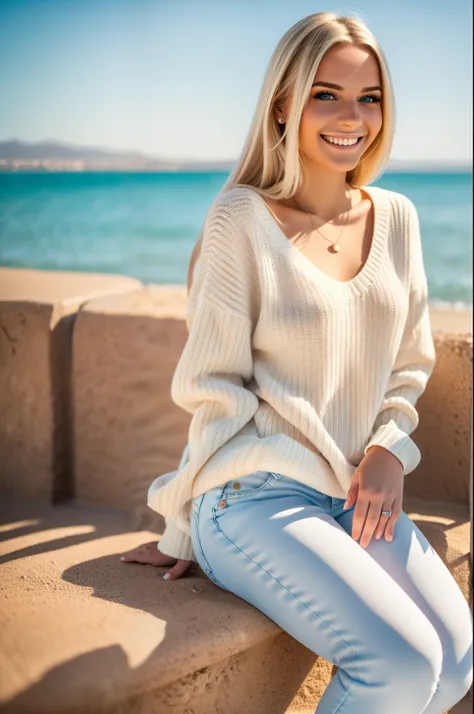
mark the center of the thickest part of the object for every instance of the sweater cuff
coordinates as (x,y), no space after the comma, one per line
(392,438)
(176,543)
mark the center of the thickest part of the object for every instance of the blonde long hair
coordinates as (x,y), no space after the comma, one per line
(270,161)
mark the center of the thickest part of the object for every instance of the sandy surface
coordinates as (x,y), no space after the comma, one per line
(451,320)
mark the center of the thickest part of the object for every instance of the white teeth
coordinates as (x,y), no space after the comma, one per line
(340,142)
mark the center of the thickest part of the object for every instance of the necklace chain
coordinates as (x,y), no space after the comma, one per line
(335,245)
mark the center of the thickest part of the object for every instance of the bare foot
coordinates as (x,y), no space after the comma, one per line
(148,554)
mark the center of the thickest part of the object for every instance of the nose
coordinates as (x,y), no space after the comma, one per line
(350,112)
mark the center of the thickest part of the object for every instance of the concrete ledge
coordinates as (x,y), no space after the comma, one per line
(82,631)
(37,310)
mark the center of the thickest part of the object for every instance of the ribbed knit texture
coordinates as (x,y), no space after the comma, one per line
(289,370)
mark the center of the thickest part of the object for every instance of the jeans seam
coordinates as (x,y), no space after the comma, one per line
(198,537)
(210,573)
(338,708)
(289,591)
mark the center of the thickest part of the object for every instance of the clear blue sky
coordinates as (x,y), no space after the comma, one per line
(179,79)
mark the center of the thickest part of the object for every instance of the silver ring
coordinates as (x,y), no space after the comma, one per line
(387,513)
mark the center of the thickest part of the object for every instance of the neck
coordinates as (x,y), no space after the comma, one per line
(325,194)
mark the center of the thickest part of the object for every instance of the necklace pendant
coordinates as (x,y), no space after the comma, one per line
(336,248)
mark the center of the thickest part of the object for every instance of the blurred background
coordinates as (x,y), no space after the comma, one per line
(121,120)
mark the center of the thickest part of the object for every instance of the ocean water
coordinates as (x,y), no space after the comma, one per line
(145,224)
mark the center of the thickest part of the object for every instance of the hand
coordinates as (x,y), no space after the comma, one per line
(148,554)
(376,486)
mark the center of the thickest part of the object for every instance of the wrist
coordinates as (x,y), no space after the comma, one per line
(382,448)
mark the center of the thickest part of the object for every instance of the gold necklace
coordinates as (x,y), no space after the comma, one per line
(335,246)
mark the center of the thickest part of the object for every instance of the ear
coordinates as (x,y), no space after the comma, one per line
(279,112)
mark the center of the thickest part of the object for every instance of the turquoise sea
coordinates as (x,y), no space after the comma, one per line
(145,224)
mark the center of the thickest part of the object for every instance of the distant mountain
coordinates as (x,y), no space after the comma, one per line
(54,151)
(54,155)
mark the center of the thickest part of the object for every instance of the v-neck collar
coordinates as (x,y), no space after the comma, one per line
(365,276)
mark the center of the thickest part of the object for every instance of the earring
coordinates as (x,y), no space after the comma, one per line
(281,120)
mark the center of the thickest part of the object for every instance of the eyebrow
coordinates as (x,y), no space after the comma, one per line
(337,86)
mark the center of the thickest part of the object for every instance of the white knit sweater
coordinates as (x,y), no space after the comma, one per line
(289,370)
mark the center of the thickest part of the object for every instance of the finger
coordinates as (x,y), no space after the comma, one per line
(351,498)
(382,524)
(379,531)
(178,570)
(144,546)
(360,513)
(148,554)
(139,551)
(373,518)
(397,509)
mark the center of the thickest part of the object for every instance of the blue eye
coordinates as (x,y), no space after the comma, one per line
(370,96)
(318,95)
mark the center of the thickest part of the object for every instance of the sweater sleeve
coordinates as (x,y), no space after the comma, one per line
(209,380)
(415,361)
(175,541)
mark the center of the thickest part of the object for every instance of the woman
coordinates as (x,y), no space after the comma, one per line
(309,345)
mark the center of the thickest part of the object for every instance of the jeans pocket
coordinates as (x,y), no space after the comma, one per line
(216,504)
(243,488)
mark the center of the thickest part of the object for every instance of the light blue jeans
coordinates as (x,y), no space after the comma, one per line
(390,616)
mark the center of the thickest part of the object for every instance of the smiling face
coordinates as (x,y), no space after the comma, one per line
(352,110)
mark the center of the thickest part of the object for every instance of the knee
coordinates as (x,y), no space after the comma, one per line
(416,664)
(457,670)
(456,676)
(423,666)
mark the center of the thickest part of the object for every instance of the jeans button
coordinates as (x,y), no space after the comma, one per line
(222,504)
(236,485)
